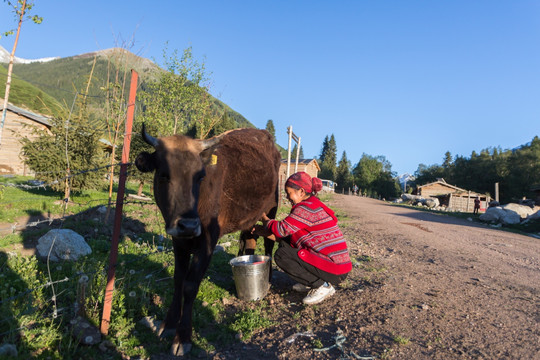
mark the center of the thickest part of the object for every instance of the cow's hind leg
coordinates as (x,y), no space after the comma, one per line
(247,243)
(269,244)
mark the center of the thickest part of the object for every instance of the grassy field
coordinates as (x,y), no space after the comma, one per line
(36,317)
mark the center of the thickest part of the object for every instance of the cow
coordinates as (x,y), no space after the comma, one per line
(204,190)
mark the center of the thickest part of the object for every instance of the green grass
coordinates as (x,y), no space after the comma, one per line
(401,340)
(143,285)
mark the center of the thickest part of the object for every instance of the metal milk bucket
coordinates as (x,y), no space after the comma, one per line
(251,274)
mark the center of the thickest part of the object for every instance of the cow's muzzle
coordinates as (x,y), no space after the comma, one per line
(185,227)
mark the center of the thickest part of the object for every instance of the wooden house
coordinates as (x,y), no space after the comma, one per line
(453,197)
(19,123)
(310,166)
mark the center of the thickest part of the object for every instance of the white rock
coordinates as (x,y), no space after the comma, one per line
(522,210)
(535,216)
(492,214)
(67,245)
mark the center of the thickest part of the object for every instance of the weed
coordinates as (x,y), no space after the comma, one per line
(401,340)
(317,343)
(248,321)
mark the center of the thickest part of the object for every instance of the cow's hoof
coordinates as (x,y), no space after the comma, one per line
(163,332)
(179,349)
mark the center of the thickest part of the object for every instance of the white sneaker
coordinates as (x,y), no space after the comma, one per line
(315,296)
(300,287)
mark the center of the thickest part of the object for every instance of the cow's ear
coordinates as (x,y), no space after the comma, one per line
(146,162)
(208,157)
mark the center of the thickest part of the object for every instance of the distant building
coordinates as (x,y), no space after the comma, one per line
(19,123)
(452,196)
(309,166)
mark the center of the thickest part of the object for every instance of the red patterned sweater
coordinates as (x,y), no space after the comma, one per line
(313,229)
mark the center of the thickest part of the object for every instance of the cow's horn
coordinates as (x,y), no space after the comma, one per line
(208,143)
(147,138)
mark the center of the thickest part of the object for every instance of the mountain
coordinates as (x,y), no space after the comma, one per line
(4,58)
(25,95)
(64,78)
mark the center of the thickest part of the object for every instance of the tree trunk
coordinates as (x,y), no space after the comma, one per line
(10,70)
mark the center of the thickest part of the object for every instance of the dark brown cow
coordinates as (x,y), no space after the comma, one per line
(206,189)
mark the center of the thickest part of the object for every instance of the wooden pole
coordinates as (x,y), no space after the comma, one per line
(289,130)
(113,256)
(10,69)
(297,154)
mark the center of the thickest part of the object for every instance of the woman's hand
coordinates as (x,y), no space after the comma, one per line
(262,230)
(265,219)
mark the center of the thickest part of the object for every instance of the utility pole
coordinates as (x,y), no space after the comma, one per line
(292,136)
(10,69)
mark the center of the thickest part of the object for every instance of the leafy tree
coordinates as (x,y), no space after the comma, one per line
(179,101)
(386,185)
(226,123)
(329,159)
(69,148)
(271,129)
(374,176)
(344,177)
(524,171)
(367,171)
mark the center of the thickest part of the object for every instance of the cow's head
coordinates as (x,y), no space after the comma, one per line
(179,165)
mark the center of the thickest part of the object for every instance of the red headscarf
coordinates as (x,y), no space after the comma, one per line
(303,180)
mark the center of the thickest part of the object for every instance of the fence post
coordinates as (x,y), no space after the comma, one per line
(113,256)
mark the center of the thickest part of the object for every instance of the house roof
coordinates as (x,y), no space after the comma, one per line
(30,115)
(303,162)
(457,190)
(444,183)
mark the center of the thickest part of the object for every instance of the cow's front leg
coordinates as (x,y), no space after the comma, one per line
(198,266)
(181,265)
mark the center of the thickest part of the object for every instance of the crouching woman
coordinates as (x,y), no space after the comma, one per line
(312,249)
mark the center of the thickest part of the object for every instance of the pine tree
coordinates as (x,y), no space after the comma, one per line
(271,129)
(324,149)
(329,159)
(344,176)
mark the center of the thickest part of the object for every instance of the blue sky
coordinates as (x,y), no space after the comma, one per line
(409,80)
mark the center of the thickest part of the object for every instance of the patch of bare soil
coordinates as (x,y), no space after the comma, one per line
(424,286)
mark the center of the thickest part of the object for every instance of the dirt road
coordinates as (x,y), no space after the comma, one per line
(424,286)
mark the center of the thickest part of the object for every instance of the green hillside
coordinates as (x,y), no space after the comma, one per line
(64,78)
(26,95)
